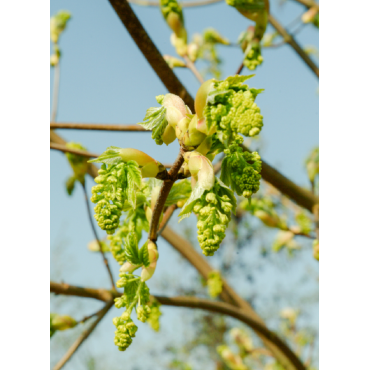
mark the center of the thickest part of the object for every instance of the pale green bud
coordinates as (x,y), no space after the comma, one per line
(211,198)
(125,316)
(64,322)
(174,62)
(201,98)
(128,267)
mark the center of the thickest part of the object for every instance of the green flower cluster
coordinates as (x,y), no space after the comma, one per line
(214,283)
(214,213)
(136,295)
(155,313)
(241,170)
(252,55)
(126,330)
(231,109)
(114,187)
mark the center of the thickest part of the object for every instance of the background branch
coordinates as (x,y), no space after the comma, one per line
(83,336)
(188,4)
(212,306)
(291,41)
(96,126)
(55,100)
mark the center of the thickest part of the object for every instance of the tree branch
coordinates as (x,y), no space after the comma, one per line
(96,126)
(194,302)
(291,41)
(166,217)
(163,194)
(308,3)
(105,261)
(64,149)
(150,51)
(83,336)
(228,294)
(54,108)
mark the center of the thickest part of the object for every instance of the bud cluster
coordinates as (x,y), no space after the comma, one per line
(126,330)
(214,283)
(78,163)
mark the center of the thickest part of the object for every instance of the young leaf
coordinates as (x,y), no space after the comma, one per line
(155,120)
(188,206)
(227,191)
(144,255)
(180,191)
(131,249)
(110,156)
(133,182)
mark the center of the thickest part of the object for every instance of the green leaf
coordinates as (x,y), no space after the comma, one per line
(237,79)
(144,255)
(110,156)
(179,191)
(225,172)
(131,248)
(133,182)
(155,120)
(188,206)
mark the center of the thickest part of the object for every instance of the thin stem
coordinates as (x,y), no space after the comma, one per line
(97,238)
(96,126)
(190,65)
(239,70)
(308,3)
(163,194)
(82,337)
(64,149)
(217,307)
(291,41)
(54,108)
(166,217)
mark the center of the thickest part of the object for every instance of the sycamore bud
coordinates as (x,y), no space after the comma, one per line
(205,146)
(64,322)
(54,60)
(201,98)
(193,50)
(147,272)
(174,62)
(176,109)
(310,14)
(128,267)
(179,43)
(148,214)
(201,169)
(289,314)
(169,135)
(193,137)
(241,338)
(266,218)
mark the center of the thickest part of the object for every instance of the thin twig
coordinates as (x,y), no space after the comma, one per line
(190,65)
(64,149)
(82,321)
(239,70)
(308,3)
(106,263)
(187,4)
(82,337)
(83,153)
(166,217)
(96,126)
(217,307)
(54,108)
(163,194)
(291,41)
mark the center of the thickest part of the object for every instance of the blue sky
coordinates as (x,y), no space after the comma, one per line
(105,79)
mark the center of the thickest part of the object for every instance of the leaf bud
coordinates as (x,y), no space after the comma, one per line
(201,98)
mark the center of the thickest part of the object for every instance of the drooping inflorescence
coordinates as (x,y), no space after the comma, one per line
(241,170)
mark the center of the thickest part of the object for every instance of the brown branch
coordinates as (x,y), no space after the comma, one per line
(105,261)
(150,51)
(54,108)
(82,337)
(194,302)
(239,70)
(187,4)
(308,3)
(64,149)
(163,194)
(96,126)
(190,65)
(228,294)
(291,41)
(166,217)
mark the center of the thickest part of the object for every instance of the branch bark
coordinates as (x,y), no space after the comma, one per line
(163,194)
(64,149)
(83,336)
(192,302)
(96,126)
(291,41)
(150,51)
